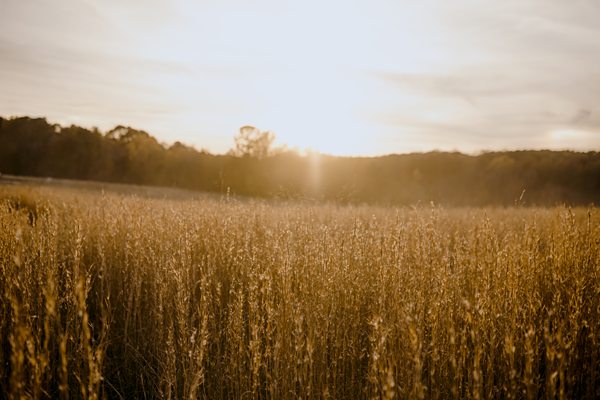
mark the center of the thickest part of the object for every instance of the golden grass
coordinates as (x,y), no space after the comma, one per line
(111,296)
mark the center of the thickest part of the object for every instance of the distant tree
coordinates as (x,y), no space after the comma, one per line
(251,142)
(144,155)
(32,146)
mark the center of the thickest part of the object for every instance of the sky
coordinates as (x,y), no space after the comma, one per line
(365,77)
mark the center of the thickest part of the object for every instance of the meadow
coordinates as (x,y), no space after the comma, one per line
(116,295)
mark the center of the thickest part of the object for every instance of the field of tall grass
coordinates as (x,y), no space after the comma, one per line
(114,296)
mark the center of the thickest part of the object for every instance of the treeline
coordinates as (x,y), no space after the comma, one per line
(34,147)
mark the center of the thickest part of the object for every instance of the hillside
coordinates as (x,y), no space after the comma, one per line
(35,147)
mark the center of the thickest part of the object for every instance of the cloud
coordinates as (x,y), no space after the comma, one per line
(491,109)
(468,86)
(439,75)
(521,69)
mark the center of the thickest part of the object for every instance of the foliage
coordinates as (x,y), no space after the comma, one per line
(251,142)
(36,148)
(128,297)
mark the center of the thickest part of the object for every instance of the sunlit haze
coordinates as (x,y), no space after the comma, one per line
(340,77)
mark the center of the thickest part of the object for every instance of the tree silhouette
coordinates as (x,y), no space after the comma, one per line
(251,142)
(34,147)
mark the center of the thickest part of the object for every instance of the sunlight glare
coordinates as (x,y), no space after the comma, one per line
(561,135)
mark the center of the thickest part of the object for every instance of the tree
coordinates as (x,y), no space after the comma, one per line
(251,142)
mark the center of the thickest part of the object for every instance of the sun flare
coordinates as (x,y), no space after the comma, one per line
(350,77)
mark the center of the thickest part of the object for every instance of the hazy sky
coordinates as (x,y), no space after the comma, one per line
(342,77)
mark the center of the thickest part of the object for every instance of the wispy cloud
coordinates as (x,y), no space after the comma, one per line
(466,75)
